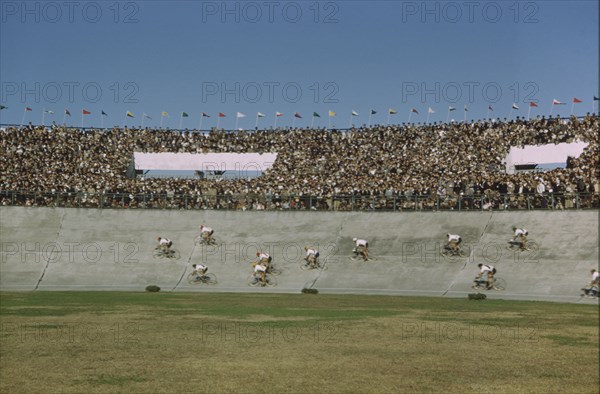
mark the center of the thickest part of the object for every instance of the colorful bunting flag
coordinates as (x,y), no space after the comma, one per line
(86,112)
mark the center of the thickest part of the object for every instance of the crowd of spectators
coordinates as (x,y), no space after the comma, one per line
(411,166)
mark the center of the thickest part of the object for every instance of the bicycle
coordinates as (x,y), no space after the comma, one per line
(357,257)
(446,251)
(590,291)
(518,245)
(207,279)
(159,253)
(481,284)
(271,269)
(312,264)
(200,240)
(255,281)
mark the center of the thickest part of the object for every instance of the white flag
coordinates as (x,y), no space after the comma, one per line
(240,115)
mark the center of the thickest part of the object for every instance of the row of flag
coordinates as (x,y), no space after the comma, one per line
(297,115)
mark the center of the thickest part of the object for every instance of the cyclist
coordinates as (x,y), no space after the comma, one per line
(490,271)
(453,241)
(594,285)
(260,270)
(164,244)
(520,237)
(361,248)
(312,256)
(206,234)
(200,270)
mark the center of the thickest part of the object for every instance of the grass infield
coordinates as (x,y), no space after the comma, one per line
(107,342)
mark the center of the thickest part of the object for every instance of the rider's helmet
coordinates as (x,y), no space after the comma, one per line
(158,238)
(306,248)
(201,226)
(194,265)
(514,228)
(257,254)
(448,235)
(354,239)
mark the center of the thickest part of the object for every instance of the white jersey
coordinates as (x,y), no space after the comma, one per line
(361,242)
(206,230)
(200,267)
(595,276)
(260,268)
(486,268)
(164,241)
(264,256)
(453,237)
(311,252)
(520,231)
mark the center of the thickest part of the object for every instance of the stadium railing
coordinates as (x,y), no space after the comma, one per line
(272,202)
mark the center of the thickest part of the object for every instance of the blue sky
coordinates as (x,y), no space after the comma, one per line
(297,56)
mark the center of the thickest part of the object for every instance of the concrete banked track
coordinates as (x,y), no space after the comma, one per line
(89,249)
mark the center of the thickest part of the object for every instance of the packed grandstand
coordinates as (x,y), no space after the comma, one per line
(382,167)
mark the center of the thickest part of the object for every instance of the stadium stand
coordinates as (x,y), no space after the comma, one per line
(457,166)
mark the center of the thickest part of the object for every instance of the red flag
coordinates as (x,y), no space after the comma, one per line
(532,104)
(86,112)
(576,100)
(221,115)
(28,109)
(556,102)
(415,111)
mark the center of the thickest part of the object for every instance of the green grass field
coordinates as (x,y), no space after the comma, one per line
(100,342)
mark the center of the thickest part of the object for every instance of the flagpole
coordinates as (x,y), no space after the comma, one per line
(23,118)
(101,121)
(143,118)
(465,116)
(201,119)
(82,119)
(294,122)
(529,111)
(488,113)
(448,115)
(510,113)
(329,122)
(275,124)
(370,114)
(218,121)
(161,120)
(64,117)
(237,121)
(552,108)
(409,116)
(256,124)
(312,122)
(388,121)
(572,105)
(125,120)
(43,113)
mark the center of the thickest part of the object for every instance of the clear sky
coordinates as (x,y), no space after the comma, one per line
(294,56)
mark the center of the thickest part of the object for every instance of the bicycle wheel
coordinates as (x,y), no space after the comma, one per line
(158,254)
(304,266)
(353,258)
(209,279)
(193,278)
(253,280)
(274,271)
(271,281)
(198,240)
(499,284)
(372,259)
